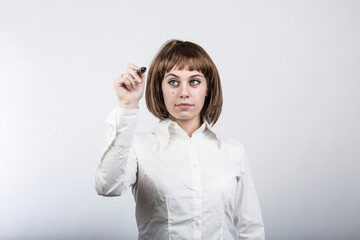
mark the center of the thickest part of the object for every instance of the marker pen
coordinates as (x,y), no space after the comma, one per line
(141,71)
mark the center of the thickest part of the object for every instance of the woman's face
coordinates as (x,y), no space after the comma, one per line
(184,94)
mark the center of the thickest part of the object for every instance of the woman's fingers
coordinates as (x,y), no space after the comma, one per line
(132,66)
(127,80)
(134,75)
(128,84)
(130,77)
(132,69)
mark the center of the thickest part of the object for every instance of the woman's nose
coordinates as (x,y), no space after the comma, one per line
(184,92)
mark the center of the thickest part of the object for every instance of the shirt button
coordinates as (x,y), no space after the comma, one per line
(198,193)
(197,223)
(194,165)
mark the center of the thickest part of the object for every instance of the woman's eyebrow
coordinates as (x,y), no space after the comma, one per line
(171,74)
(196,75)
(174,75)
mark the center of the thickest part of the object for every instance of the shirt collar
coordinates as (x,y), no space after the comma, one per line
(167,126)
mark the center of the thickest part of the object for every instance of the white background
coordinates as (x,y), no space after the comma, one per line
(290,74)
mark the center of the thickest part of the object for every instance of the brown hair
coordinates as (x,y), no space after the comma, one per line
(183,55)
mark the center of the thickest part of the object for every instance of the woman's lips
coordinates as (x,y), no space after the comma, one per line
(184,106)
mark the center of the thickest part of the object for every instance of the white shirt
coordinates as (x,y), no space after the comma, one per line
(197,187)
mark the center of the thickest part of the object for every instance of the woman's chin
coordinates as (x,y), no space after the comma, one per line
(183,116)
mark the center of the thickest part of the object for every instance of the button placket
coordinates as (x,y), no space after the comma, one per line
(196,179)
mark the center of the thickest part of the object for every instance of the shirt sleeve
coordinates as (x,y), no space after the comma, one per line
(247,220)
(117,168)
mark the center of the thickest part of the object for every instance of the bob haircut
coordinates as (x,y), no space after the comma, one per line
(183,55)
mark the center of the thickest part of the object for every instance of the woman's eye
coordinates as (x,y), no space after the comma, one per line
(195,82)
(173,82)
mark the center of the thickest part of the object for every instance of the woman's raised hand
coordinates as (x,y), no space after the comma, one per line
(129,87)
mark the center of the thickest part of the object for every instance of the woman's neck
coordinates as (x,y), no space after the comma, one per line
(189,125)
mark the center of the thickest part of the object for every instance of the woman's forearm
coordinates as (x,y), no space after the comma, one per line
(116,170)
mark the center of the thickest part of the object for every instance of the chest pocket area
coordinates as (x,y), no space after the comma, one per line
(226,185)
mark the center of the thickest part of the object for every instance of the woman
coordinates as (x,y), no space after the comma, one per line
(188,181)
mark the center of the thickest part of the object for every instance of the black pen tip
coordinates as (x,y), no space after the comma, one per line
(143,69)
